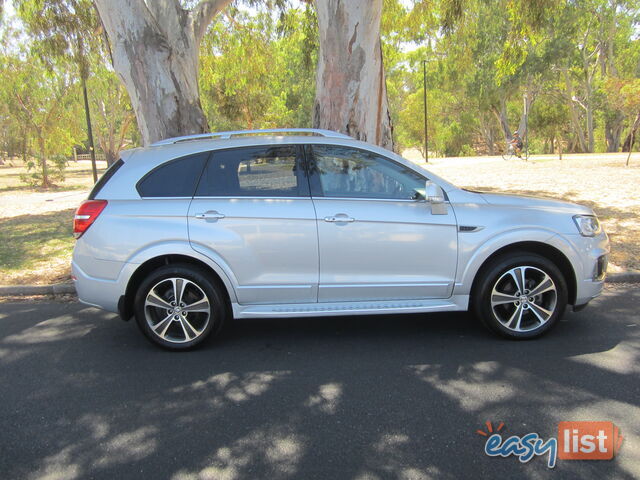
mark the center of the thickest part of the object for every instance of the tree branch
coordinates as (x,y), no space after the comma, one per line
(203,13)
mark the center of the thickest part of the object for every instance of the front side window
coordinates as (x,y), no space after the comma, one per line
(271,171)
(351,173)
(176,178)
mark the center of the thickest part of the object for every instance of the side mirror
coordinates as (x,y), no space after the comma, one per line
(434,193)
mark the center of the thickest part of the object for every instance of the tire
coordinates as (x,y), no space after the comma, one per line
(508,155)
(497,300)
(168,325)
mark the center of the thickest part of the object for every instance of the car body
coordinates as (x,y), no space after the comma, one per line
(314,223)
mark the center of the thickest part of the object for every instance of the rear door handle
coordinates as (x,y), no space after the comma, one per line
(339,218)
(210,215)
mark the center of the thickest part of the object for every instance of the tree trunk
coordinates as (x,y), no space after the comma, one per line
(154,48)
(588,101)
(25,143)
(633,134)
(351,94)
(559,140)
(110,157)
(501,115)
(613,131)
(575,119)
(487,132)
(43,159)
(589,112)
(529,98)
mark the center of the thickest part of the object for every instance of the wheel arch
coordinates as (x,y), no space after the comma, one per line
(125,304)
(543,249)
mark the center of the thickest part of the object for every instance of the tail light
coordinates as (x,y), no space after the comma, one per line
(86,214)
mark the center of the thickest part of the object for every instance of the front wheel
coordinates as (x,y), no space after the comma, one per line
(520,296)
(508,153)
(178,307)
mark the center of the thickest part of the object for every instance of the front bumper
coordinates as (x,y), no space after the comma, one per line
(593,254)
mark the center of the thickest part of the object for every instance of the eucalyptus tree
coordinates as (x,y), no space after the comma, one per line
(351,94)
(64,29)
(154,48)
(257,68)
(114,120)
(39,97)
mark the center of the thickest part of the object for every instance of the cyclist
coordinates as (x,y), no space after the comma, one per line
(516,143)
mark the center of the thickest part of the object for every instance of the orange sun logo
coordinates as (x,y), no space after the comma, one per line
(490,429)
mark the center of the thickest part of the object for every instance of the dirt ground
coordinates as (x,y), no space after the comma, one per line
(17,199)
(601,182)
(35,226)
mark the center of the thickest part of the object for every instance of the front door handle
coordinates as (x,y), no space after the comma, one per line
(210,215)
(339,218)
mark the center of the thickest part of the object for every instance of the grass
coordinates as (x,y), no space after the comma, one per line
(36,248)
(35,224)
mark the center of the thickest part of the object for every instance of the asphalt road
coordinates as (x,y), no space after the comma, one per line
(83,395)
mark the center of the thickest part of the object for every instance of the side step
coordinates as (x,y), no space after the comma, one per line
(455,303)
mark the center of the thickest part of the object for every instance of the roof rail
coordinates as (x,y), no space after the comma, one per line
(227,135)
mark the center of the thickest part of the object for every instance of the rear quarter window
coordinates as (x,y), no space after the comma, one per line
(106,176)
(176,178)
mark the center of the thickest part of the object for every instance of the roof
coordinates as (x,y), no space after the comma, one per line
(236,133)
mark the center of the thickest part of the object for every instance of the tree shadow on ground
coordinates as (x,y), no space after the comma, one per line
(340,397)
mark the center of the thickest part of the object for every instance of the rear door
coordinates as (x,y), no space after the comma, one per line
(252,209)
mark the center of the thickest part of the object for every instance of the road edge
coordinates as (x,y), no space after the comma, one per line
(67,288)
(19,290)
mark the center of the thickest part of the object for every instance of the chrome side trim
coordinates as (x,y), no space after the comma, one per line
(455,303)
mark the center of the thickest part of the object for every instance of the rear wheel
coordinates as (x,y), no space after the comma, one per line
(520,296)
(508,153)
(178,307)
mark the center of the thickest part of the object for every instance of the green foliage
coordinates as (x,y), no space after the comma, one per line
(484,57)
(577,63)
(257,70)
(113,119)
(39,99)
(61,28)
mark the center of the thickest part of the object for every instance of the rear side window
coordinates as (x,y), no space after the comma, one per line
(106,176)
(177,178)
(272,171)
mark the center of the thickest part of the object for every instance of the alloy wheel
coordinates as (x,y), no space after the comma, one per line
(177,310)
(524,298)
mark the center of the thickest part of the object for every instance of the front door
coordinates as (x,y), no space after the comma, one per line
(378,239)
(252,209)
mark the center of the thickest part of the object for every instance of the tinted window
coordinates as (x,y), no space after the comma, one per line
(106,176)
(254,171)
(347,172)
(177,178)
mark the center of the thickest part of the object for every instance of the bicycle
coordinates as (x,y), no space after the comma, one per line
(510,152)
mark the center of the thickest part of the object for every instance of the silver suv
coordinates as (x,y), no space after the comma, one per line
(193,231)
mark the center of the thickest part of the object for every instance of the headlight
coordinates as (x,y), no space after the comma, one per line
(588,225)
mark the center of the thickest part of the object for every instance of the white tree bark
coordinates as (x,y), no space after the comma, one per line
(351,94)
(154,47)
